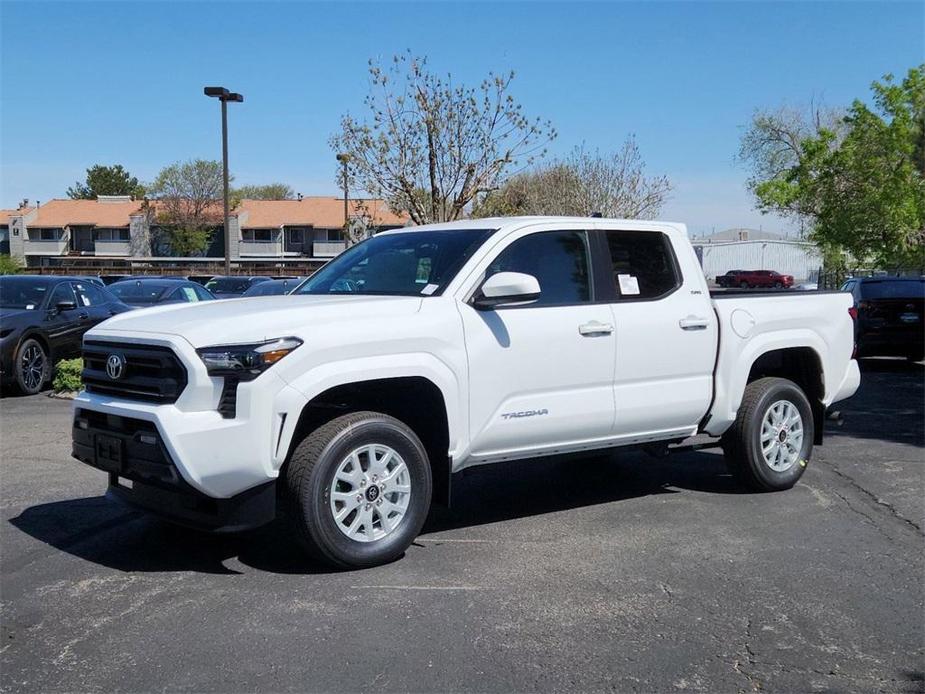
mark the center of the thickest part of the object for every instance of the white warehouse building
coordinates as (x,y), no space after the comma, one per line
(787,256)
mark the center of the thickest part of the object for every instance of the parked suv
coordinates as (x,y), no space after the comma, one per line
(888,316)
(748,279)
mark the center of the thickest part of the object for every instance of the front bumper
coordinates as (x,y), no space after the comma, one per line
(216,457)
(142,474)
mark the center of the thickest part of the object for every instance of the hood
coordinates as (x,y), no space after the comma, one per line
(241,321)
(16,316)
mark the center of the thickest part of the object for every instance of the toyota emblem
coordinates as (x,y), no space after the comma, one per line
(115,365)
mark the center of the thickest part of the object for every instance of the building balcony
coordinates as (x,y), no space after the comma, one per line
(46,246)
(109,247)
(327,249)
(261,248)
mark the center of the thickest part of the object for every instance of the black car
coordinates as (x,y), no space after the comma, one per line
(111,279)
(888,316)
(228,287)
(42,320)
(140,292)
(274,287)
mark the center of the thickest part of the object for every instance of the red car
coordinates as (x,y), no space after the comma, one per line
(754,278)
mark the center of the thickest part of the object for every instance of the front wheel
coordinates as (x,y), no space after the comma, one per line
(744,285)
(32,368)
(770,442)
(357,490)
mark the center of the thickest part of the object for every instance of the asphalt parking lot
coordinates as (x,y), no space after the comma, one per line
(619,573)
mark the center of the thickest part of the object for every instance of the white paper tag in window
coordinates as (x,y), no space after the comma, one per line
(429,289)
(628,284)
(190,294)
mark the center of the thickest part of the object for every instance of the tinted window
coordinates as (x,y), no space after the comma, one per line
(202,293)
(414,263)
(91,295)
(893,289)
(23,292)
(229,285)
(643,264)
(139,292)
(63,292)
(558,260)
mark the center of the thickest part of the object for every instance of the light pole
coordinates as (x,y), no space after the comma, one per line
(344,159)
(225,96)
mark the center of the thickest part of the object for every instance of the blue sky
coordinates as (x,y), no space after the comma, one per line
(84,83)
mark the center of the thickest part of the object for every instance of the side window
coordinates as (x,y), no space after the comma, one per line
(63,292)
(643,265)
(202,293)
(89,294)
(558,259)
(186,294)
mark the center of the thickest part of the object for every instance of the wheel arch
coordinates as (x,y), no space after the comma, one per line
(804,366)
(415,400)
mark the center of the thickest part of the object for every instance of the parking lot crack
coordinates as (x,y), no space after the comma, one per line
(880,503)
(750,662)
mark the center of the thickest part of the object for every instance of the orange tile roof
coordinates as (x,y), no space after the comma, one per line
(62,213)
(321,212)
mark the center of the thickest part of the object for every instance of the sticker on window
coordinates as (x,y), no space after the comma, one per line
(629,285)
(190,294)
(429,289)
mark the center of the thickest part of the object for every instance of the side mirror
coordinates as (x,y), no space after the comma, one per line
(506,288)
(65,306)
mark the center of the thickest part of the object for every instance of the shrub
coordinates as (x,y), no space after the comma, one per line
(9,265)
(67,375)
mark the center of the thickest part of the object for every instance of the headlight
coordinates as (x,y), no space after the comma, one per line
(246,361)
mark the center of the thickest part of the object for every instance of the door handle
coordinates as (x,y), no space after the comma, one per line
(83,316)
(693,323)
(595,328)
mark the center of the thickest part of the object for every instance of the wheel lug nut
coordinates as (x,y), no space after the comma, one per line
(359,497)
(379,502)
(362,483)
(368,506)
(375,478)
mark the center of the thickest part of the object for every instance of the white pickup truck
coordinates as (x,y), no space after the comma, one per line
(347,406)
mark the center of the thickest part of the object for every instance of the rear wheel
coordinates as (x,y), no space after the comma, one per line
(357,490)
(770,443)
(744,285)
(31,367)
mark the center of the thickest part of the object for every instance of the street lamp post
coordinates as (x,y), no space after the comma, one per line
(225,96)
(344,159)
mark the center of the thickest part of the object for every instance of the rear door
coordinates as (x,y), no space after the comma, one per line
(666,335)
(540,374)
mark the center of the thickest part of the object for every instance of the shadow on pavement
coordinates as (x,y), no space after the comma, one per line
(889,404)
(106,533)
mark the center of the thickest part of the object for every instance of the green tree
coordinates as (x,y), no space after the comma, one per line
(106,180)
(189,204)
(9,265)
(269,191)
(431,146)
(862,188)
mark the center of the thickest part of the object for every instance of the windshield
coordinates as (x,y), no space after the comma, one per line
(413,263)
(229,285)
(139,292)
(893,289)
(23,292)
(273,287)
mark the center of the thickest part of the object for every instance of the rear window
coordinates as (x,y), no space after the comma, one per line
(139,292)
(893,289)
(229,284)
(643,265)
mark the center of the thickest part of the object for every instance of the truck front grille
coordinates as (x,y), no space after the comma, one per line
(149,372)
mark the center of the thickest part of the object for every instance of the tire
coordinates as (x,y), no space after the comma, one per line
(743,285)
(31,367)
(778,285)
(312,496)
(743,442)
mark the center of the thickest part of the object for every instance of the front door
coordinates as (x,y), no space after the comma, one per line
(64,327)
(540,375)
(666,337)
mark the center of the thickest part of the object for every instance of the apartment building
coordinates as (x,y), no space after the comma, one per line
(117,227)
